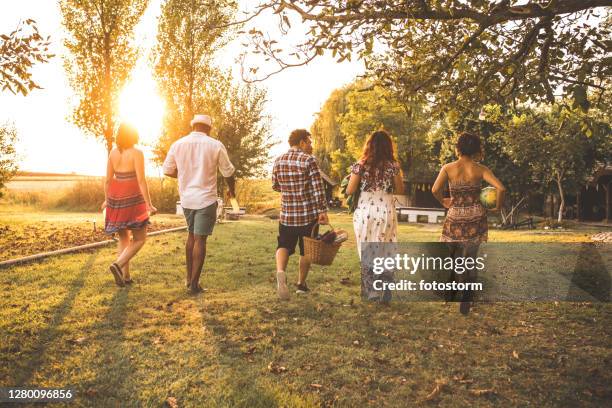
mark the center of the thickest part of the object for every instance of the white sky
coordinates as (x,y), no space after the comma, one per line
(50,143)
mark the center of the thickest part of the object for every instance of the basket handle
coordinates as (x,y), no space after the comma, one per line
(314,228)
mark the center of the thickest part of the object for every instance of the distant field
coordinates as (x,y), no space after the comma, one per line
(75,192)
(45,183)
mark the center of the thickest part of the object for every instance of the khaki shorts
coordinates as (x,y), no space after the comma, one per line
(201,221)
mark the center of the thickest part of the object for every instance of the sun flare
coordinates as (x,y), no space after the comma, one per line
(141,105)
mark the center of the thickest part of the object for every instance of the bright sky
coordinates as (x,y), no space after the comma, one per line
(50,143)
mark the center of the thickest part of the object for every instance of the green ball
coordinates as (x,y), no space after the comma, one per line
(488,197)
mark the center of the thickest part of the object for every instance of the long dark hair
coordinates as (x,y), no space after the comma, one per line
(378,150)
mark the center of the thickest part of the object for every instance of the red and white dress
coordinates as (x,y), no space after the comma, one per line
(125,205)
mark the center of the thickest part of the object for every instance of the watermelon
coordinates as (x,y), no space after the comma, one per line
(488,197)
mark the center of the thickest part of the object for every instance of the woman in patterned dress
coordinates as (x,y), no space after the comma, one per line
(127,201)
(377,176)
(465,226)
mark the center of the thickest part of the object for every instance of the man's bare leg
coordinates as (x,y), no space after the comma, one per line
(282,259)
(199,255)
(304,268)
(189,257)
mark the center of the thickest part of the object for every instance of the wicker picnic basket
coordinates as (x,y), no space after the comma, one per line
(319,252)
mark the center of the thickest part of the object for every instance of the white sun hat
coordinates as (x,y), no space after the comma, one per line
(204,119)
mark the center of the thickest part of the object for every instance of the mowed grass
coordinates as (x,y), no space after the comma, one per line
(63,322)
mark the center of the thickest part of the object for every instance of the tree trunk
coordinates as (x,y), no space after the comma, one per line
(562,199)
(108,104)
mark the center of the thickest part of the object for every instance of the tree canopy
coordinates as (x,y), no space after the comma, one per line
(190,34)
(19,51)
(101,58)
(455,52)
(351,114)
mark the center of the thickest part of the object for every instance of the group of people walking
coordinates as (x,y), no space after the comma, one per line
(195,159)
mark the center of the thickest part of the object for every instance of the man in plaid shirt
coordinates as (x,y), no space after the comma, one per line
(296,176)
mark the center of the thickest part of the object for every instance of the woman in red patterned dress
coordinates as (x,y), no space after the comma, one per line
(127,201)
(465,226)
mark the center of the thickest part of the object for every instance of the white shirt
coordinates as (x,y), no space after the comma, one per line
(196,158)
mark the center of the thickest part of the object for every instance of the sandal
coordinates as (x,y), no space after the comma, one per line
(117,274)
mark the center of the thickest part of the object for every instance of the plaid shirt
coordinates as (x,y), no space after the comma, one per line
(296,176)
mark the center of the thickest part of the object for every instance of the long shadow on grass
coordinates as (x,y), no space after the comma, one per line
(241,388)
(48,335)
(113,383)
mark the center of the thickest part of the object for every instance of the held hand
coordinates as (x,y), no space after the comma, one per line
(323,219)
(446,202)
(152,210)
(103,206)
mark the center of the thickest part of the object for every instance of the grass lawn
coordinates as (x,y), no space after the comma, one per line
(63,322)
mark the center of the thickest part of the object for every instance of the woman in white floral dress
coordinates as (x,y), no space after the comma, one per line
(377,176)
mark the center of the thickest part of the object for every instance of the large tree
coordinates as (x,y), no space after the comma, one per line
(352,113)
(244,129)
(456,52)
(553,144)
(190,34)
(100,59)
(19,51)
(188,39)
(329,141)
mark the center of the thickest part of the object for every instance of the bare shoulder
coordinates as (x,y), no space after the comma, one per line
(449,167)
(482,168)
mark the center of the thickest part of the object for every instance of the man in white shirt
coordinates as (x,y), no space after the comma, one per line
(194,160)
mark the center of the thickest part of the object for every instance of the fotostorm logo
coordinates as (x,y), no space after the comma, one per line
(412,264)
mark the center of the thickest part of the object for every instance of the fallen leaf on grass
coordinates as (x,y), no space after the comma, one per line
(91,392)
(250,350)
(515,354)
(440,384)
(77,341)
(276,369)
(345,281)
(482,392)
(171,402)
(462,380)
(317,386)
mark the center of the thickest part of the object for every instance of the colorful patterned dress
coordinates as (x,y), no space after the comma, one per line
(375,220)
(125,205)
(466,219)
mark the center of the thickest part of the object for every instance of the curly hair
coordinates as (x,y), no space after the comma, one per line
(468,144)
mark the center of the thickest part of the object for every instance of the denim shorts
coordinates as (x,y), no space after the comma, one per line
(201,221)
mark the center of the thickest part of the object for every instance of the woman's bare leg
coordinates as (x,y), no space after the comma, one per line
(124,242)
(133,248)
